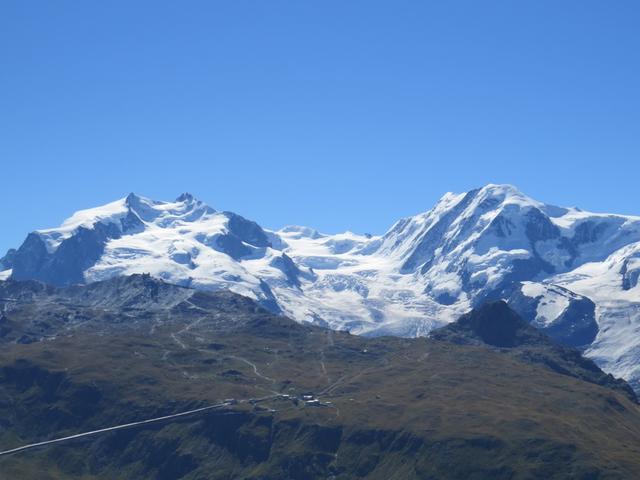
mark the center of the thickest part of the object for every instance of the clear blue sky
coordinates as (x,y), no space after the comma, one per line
(338,114)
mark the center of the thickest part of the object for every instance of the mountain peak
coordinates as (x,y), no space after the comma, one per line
(493,323)
(502,188)
(132,197)
(297,231)
(506,194)
(138,204)
(185,197)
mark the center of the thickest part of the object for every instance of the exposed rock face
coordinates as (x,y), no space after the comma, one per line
(6,262)
(630,271)
(67,264)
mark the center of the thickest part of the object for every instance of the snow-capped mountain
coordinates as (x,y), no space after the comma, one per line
(571,273)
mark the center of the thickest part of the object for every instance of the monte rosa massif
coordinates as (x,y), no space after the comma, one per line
(571,273)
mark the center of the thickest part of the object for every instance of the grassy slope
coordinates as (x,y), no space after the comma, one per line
(400,408)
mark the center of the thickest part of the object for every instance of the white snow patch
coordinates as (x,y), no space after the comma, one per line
(553,302)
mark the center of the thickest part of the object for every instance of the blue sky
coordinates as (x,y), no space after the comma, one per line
(337,114)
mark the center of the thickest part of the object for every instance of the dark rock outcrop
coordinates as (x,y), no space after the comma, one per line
(496,325)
